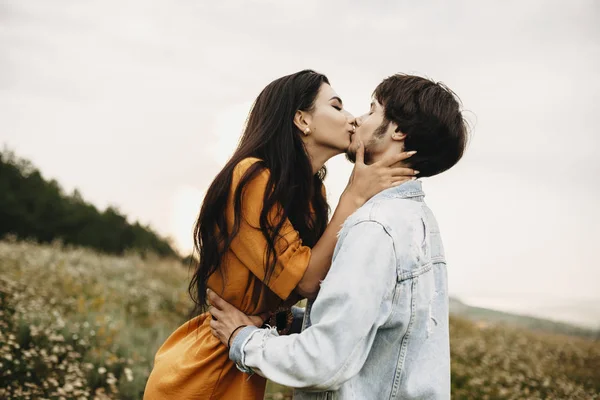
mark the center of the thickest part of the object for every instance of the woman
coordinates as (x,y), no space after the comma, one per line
(262,233)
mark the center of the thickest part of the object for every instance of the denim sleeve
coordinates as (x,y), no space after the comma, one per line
(235,352)
(355,299)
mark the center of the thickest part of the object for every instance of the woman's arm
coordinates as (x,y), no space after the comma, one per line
(300,269)
(364,183)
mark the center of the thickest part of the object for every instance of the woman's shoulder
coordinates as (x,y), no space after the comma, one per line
(244,165)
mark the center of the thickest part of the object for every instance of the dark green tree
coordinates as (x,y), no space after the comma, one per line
(36,209)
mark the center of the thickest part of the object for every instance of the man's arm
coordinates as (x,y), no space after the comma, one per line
(354,301)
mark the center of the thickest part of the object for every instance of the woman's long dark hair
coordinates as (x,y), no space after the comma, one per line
(271,136)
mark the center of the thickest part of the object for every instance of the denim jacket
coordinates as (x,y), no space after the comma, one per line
(378,328)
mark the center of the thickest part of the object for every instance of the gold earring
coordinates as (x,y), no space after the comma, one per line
(306,131)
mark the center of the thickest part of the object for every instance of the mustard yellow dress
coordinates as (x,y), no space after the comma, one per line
(192,363)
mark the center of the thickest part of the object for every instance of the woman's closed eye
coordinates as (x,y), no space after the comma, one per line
(337,107)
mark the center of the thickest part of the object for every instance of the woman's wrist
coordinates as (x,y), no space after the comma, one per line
(352,200)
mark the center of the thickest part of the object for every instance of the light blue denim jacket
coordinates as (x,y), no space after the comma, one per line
(378,328)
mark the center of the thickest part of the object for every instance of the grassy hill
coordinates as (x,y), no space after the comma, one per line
(33,207)
(479,314)
(78,324)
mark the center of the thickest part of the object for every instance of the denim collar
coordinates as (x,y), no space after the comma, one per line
(405,191)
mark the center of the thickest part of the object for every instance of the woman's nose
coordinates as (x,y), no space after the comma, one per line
(349,117)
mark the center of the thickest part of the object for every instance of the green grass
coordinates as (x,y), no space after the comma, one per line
(76,324)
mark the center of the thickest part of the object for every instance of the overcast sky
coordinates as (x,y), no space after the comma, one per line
(138,104)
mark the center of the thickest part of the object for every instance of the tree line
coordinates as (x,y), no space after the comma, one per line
(32,207)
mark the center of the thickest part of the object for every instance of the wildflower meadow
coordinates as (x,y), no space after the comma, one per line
(77,324)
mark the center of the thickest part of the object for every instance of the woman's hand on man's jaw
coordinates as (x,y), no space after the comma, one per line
(368,180)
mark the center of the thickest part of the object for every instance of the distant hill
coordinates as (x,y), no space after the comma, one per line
(479,314)
(34,208)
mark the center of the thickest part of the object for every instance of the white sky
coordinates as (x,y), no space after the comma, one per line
(138,103)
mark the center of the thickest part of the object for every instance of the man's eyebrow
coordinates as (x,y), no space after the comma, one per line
(338,99)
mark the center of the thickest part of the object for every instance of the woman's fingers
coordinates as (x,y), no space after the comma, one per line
(360,154)
(401,180)
(406,154)
(402,171)
(395,158)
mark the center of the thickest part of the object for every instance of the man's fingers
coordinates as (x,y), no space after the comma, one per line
(257,320)
(216,301)
(395,158)
(265,316)
(262,316)
(216,313)
(215,329)
(216,334)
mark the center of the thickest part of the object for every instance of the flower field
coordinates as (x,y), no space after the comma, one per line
(76,324)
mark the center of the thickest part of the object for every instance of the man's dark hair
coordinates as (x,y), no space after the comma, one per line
(430,116)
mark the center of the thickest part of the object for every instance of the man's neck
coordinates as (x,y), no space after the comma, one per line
(381,157)
(394,148)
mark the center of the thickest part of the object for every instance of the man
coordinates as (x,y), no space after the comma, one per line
(378,328)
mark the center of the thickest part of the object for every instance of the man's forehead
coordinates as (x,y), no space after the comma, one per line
(375,102)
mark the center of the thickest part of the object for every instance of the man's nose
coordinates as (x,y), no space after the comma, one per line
(349,117)
(352,121)
(358,121)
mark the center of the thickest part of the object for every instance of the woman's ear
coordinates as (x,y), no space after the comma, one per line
(302,120)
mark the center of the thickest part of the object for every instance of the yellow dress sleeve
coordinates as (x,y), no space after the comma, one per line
(250,246)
